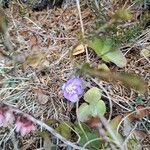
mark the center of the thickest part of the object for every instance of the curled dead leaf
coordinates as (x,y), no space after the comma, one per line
(78,50)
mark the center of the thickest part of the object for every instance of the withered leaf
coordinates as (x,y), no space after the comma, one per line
(127,79)
(78,50)
(141,112)
(34,60)
(41,97)
(93,122)
(33,40)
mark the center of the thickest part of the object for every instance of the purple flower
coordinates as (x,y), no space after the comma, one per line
(73,89)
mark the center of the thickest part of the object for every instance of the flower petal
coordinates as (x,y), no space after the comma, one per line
(18,126)
(74,98)
(79,91)
(9,117)
(23,131)
(1,119)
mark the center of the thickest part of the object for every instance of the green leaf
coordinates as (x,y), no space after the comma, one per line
(97,108)
(11,82)
(114,124)
(133,144)
(92,94)
(139,100)
(104,49)
(64,130)
(83,112)
(51,122)
(90,133)
(101,47)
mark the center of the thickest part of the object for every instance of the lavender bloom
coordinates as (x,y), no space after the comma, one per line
(73,89)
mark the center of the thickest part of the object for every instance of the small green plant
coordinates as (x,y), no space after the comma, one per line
(93,106)
(91,135)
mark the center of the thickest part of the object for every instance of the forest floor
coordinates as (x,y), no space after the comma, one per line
(49,47)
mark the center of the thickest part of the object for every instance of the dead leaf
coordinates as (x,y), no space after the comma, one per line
(78,50)
(141,112)
(127,79)
(140,135)
(103,67)
(25,34)
(33,40)
(34,60)
(93,122)
(115,122)
(35,48)
(41,97)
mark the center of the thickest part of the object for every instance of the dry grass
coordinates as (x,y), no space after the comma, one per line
(57,32)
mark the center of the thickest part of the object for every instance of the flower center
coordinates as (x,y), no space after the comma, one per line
(71,89)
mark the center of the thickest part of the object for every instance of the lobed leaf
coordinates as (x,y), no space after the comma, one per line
(83,112)
(97,108)
(92,94)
